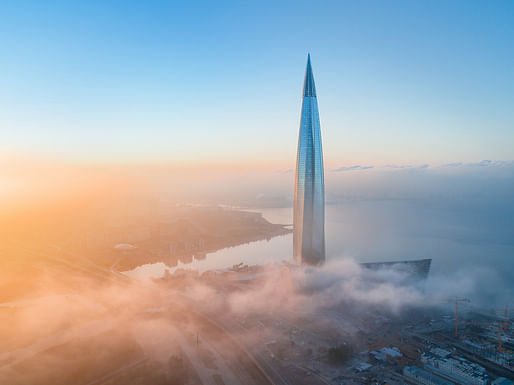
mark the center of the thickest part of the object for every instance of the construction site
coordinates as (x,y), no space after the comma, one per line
(452,342)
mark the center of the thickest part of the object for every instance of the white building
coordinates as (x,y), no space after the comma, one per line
(457,368)
(420,376)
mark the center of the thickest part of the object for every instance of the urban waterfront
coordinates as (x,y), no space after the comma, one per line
(181,203)
(387,230)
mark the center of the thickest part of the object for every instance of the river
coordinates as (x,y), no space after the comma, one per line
(462,238)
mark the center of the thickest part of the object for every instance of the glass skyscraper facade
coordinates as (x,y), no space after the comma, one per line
(309,193)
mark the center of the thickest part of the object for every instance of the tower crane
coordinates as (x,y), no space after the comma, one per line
(500,324)
(505,311)
(457,300)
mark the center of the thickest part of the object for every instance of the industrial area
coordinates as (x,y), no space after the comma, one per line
(451,342)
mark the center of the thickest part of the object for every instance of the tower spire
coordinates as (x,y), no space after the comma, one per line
(309,194)
(309,89)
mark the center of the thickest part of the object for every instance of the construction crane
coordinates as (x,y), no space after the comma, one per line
(505,311)
(505,322)
(457,300)
(500,324)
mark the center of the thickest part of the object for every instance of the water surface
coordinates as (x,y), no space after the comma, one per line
(462,238)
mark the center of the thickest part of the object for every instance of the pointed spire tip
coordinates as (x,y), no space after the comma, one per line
(309,89)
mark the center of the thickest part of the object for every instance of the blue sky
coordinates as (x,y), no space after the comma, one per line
(220,82)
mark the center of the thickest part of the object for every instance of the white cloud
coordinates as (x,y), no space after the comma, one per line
(352,168)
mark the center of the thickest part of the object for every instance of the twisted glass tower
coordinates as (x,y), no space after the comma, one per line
(309,192)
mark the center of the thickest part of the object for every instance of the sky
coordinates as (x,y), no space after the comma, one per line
(185,83)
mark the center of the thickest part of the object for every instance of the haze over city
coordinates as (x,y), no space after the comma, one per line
(256,193)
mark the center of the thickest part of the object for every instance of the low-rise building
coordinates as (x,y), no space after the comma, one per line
(456,368)
(502,381)
(386,353)
(420,376)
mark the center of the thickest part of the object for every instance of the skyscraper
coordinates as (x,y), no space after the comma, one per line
(309,193)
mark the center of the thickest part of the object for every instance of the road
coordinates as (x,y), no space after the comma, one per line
(106,377)
(273,368)
(85,330)
(227,348)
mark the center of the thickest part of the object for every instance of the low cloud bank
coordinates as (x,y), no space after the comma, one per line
(156,320)
(346,284)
